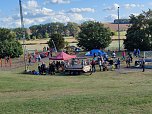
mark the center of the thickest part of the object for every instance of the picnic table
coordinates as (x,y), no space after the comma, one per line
(77,69)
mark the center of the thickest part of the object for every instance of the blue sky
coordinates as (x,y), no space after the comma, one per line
(46,11)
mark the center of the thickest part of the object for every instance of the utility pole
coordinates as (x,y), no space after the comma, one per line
(23,31)
(54,46)
(118,30)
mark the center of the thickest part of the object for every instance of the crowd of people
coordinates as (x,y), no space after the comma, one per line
(106,62)
(110,61)
(52,67)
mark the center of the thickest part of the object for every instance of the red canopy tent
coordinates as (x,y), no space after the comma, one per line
(63,56)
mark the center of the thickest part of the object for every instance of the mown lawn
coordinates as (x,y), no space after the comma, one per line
(101,93)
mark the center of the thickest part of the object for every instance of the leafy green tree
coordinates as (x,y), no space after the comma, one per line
(9,46)
(46,35)
(19,33)
(27,36)
(58,41)
(139,35)
(94,35)
(73,28)
(39,36)
(33,37)
(34,30)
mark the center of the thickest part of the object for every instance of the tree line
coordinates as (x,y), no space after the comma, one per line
(46,30)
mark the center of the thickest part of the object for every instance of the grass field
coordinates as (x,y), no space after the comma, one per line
(101,93)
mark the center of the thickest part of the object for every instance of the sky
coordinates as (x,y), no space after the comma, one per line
(46,11)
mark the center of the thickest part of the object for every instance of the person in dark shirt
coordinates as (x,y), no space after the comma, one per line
(128,60)
(143,64)
(39,69)
(43,68)
(53,67)
(50,68)
(93,66)
(130,56)
(117,65)
(110,62)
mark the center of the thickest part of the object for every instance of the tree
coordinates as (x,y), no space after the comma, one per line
(27,36)
(39,36)
(94,35)
(46,35)
(34,30)
(73,28)
(33,37)
(58,41)
(19,33)
(9,46)
(139,35)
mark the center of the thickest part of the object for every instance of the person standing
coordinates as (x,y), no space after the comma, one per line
(39,69)
(135,53)
(138,52)
(93,65)
(43,68)
(113,54)
(143,64)
(53,68)
(128,61)
(130,56)
(29,61)
(123,55)
(100,64)
(118,63)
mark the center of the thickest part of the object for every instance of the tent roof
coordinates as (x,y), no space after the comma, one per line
(63,56)
(96,51)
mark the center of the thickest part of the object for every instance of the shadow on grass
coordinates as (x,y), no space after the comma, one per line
(59,74)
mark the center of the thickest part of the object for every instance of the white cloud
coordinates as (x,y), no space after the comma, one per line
(129,6)
(80,10)
(41,17)
(31,4)
(111,17)
(140,5)
(58,1)
(114,7)
(8,22)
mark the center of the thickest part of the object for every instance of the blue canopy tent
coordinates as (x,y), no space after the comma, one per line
(96,52)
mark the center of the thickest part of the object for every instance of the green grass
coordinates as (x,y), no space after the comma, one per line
(100,93)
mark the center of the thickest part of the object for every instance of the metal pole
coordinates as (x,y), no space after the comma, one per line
(22,26)
(118,30)
(54,46)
